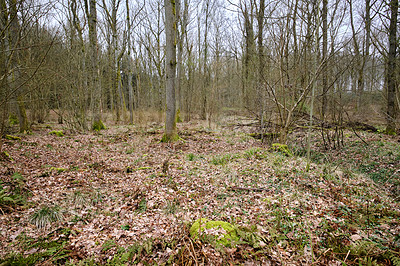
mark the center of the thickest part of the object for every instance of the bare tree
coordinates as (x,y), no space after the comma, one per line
(91,13)
(391,68)
(170,65)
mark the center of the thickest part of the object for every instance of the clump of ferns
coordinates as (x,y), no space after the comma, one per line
(46,215)
(394,258)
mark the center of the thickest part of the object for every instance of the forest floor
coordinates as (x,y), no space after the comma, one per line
(120,196)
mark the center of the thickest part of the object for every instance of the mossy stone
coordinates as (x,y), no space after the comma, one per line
(10,137)
(98,125)
(58,133)
(283,148)
(226,239)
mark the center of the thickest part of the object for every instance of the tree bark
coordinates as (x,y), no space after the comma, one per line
(91,13)
(324,58)
(391,70)
(170,65)
(15,31)
(130,72)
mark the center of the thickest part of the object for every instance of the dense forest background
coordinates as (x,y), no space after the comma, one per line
(332,62)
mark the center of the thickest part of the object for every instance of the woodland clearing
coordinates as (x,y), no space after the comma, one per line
(120,196)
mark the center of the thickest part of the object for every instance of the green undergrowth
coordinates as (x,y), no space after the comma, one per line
(379,159)
(13,193)
(50,250)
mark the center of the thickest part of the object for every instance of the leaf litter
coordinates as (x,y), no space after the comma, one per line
(123,187)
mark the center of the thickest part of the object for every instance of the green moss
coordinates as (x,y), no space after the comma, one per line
(58,133)
(170,138)
(5,156)
(390,131)
(225,239)
(98,125)
(10,137)
(178,116)
(282,148)
(13,120)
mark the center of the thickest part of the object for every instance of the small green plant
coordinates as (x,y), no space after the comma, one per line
(251,153)
(58,133)
(130,151)
(172,207)
(97,197)
(125,227)
(109,244)
(46,215)
(222,159)
(79,198)
(142,205)
(251,236)
(191,157)
(57,169)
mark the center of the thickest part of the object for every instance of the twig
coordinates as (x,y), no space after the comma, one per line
(348,252)
(321,256)
(249,189)
(194,251)
(348,116)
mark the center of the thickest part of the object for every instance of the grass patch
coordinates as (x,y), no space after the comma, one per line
(46,215)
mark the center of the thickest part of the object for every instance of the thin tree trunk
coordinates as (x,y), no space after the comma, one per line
(324,57)
(91,13)
(391,72)
(170,65)
(130,87)
(260,87)
(15,31)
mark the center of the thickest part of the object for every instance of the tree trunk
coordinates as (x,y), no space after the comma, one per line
(130,72)
(170,65)
(324,58)
(16,81)
(91,13)
(260,87)
(391,72)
